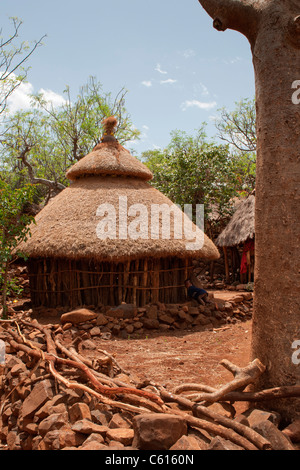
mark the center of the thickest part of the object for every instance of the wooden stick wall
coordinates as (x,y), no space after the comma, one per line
(70,283)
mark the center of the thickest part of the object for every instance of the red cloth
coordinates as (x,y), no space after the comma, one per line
(249,246)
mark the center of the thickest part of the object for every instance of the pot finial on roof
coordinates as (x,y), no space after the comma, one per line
(109,125)
(109,157)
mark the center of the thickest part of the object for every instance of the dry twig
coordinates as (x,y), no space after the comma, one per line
(106,389)
(243,376)
(227,425)
(52,358)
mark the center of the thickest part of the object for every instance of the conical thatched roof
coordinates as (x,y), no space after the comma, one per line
(109,159)
(68,226)
(241,225)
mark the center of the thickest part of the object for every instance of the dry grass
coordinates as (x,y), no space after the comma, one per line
(109,159)
(241,225)
(66,227)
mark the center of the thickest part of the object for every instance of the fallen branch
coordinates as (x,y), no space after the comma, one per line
(188,387)
(242,377)
(52,358)
(224,427)
(113,360)
(72,354)
(288,391)
(80,373)
(216,430)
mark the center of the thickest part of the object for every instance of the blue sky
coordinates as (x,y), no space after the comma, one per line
(177,69)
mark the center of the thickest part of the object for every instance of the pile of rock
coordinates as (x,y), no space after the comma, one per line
(127,320)
(37,417)
(41,412)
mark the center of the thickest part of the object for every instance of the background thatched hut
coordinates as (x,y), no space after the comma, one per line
(69,265)
(240,231)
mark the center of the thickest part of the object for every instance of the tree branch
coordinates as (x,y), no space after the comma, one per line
(239,15)
(54,185)
(51,357)
(227,428)
(242,377)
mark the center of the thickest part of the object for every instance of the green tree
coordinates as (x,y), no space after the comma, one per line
(13,56)
(14,228)
(190,170)
(272,28)
(245,171)
(238,129)
(42,143)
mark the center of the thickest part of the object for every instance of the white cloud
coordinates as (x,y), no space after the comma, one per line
(147,83)
(188,53)
(144,134)
(169,81)
(159,69)
(205,91)
(198,104)
(20,99)
(142,138)
(200,89)
(232,61)
(51,97)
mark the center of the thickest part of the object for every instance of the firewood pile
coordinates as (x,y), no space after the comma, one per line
(53,397)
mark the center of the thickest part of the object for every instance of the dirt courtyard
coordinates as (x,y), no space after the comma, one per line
(180,357)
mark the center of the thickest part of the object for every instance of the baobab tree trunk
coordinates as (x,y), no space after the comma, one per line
(273,30)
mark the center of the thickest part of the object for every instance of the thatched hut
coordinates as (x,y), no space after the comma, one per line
(240,231)
(71,263)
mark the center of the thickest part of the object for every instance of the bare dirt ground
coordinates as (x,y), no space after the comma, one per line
(180,357)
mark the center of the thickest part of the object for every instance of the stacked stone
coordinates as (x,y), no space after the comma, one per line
(127,320)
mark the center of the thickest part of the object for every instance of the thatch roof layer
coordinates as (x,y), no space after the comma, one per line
(66,227)
(241,226)
(109,159)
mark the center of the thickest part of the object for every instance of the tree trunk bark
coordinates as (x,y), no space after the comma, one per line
(274,35)
(276,322)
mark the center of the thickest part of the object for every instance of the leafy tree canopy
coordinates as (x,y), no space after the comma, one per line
(14,228)
(191,170)
(39,145)
(13,57)
(238,129)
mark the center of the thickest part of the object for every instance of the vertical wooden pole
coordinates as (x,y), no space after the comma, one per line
(135,282)
(226,265)
(120,280)
(156,266)
(144,284)
(45,282)
(126,277)
(69,274)
(186,269)
(111,283)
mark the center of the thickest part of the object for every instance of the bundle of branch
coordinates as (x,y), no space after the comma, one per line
(91,381)
(218,425)
(202,396)
(73,370)
(234,390)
